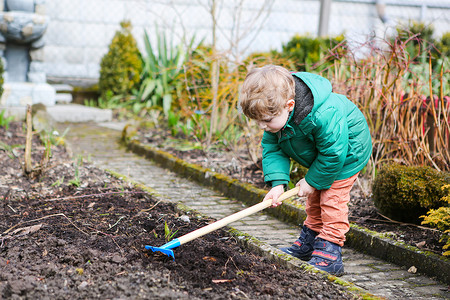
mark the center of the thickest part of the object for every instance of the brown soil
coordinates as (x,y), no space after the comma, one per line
(65,235)
(237,165)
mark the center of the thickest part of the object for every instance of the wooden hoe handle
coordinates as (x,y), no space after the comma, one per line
(234,217)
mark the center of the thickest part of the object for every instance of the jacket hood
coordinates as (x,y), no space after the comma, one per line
(319,86)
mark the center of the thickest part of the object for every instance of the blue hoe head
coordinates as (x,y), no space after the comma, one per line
(167,252)
(165,249)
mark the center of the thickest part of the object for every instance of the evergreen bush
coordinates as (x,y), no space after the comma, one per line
(309,52)
(404,193)
(423,45)
(121,67)
(444,45)
(421,37)
(440,219)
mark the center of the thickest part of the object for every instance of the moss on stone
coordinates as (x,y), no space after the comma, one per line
(134,183)
(404,193)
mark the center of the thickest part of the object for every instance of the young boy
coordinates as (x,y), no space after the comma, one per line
(305,121)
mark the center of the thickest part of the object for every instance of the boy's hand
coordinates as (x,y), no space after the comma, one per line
(274,193)
(305,188)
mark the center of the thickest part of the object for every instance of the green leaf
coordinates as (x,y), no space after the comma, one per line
(167,102)
(147,87)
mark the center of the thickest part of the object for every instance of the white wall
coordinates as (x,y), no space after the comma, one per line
(80,30)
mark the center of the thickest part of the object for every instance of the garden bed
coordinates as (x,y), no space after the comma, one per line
(75,231)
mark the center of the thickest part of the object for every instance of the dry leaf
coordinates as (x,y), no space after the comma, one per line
(27,230)
(209,258)
(421,244)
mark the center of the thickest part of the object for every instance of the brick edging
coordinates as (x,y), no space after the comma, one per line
(358,238)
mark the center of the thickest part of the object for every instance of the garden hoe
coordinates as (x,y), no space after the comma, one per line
(166,248)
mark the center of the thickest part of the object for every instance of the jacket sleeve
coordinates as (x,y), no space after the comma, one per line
(276,163)
(331,139)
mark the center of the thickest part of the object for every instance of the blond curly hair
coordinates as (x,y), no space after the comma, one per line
(265,92)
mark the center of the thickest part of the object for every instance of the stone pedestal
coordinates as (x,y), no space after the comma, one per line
(23,93)
(22,26)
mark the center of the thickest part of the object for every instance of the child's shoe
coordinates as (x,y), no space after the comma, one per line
(303,247)
(327,256)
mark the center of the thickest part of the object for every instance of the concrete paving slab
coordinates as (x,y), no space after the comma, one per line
(74,113)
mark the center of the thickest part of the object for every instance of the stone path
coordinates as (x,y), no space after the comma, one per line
(99,143)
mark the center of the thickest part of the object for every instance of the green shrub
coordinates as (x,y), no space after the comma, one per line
(259,59)
(444,45)
(162,76)
(307,51)
(121,67)
(440,219)
(422,45)
(198,68)
(421,48)
(405,193)
(421,34)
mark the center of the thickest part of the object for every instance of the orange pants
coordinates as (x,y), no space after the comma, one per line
(327,211)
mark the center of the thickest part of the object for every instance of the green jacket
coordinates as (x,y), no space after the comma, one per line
(325,133)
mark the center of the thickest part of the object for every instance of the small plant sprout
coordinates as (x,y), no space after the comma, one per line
(76,180)
(4,121)
(186,128)
(47,152)
(173,121)
(168,233)
(58,182)
(54,138)
(9,149)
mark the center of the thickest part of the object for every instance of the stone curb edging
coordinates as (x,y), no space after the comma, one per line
(358,238)
(289,261)
(259,247)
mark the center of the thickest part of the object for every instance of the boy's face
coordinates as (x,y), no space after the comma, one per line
(276,123)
